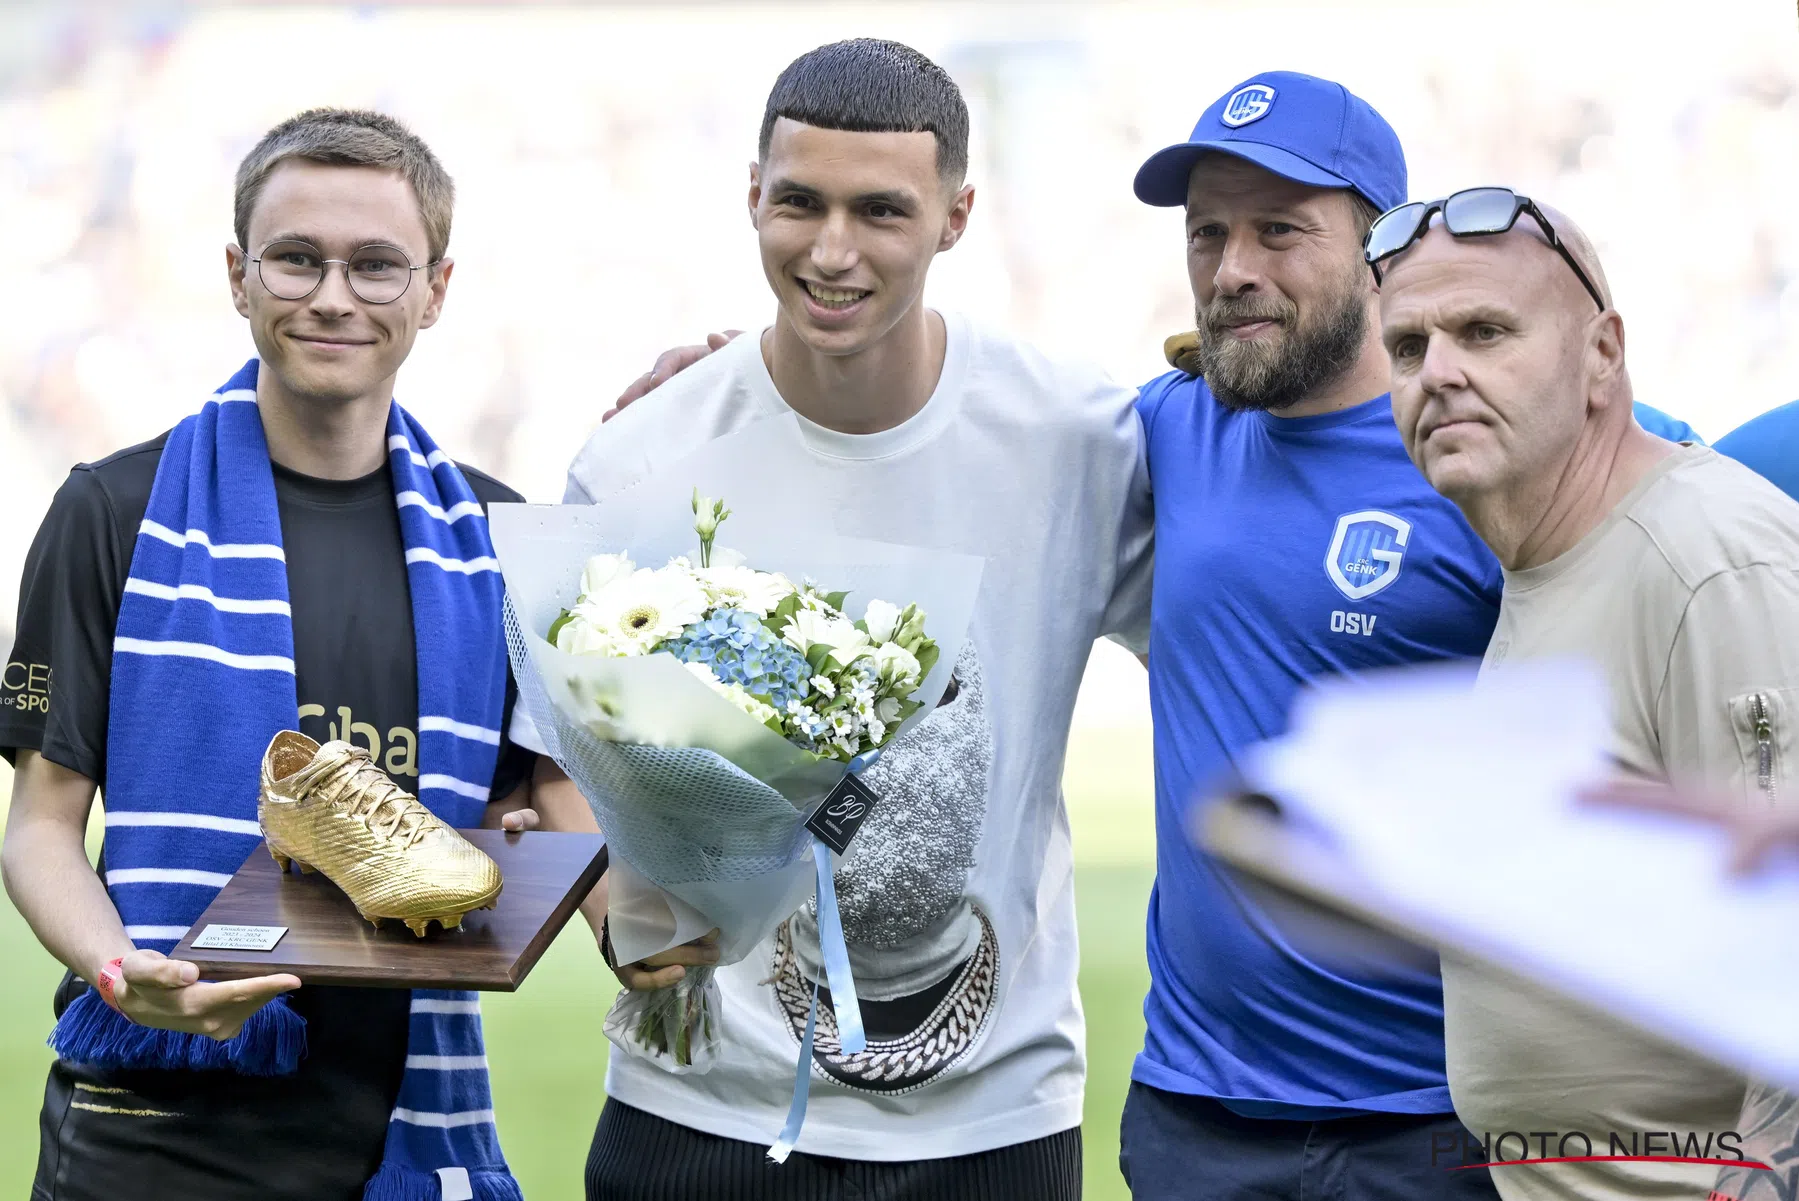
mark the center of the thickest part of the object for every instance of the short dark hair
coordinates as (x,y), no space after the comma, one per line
(342,137)
(1365,212)
(870,85)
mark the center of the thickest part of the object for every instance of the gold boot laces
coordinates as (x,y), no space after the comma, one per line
(350,781)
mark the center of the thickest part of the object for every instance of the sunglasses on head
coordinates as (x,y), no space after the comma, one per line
(1471,213)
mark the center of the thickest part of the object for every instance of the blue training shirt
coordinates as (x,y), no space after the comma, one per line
(1769,446)
(1286,549)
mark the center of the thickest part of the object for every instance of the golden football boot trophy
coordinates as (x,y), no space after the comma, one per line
(330,809)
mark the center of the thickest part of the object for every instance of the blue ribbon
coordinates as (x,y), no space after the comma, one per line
(843,1001)
(837,956)
(796,1112)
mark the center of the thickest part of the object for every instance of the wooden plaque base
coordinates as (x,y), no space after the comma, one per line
(545,876)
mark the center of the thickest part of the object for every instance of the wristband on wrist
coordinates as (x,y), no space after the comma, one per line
(110,975)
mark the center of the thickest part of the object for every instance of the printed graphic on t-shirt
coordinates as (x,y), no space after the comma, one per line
(25,687)
(397,754)
(925,955)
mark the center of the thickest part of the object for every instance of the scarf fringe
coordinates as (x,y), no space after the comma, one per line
(395,1182)
(271,1043)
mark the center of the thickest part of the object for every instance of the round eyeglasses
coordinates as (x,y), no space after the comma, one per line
(377,274)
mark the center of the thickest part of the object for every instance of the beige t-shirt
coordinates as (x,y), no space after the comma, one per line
(1687,597)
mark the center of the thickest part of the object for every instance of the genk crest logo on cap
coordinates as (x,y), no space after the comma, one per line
(1366,552)
(1247,104)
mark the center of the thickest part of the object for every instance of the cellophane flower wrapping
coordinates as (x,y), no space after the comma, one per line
(703,804)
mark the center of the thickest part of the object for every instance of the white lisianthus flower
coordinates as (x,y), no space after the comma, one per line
(743,588)
(647,607)
(724,556)
(881,618)
(579,636)
(899,667)
(810,627)
(887,709)
(602,570)
(877,732)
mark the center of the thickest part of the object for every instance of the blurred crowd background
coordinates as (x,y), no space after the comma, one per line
(600,153)
(600,156)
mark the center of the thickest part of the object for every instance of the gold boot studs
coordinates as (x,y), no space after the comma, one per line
(330,809)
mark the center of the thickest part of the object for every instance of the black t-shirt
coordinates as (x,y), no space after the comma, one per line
(316,1135)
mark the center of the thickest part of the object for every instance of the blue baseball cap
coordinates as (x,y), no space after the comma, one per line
(1306,129)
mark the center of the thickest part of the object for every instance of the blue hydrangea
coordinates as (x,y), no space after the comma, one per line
(741,650)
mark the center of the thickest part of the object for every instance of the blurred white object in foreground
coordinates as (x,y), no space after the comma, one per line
(1449,813)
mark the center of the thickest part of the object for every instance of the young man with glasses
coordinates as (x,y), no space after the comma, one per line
(274,550)
(1675,571)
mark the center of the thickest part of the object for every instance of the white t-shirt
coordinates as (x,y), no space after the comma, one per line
(957,895)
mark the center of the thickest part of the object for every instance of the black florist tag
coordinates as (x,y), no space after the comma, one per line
(842,813)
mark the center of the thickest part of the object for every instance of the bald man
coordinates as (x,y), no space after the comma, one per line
(1677,572)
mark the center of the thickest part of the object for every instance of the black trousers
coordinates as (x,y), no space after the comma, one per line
(637,1156)
(1179,1148)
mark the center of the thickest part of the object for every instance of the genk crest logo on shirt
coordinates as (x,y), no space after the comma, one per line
(1247,104)
(1366,552)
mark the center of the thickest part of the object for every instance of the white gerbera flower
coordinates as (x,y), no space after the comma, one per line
(647,607)
(881,618)
(602,570)
(743,587)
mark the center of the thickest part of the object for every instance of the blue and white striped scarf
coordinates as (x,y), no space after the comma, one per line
(203,678)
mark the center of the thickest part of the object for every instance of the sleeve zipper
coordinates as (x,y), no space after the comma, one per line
(1764,743)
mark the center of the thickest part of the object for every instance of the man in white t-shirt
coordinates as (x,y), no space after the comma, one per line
(1674,570)
(957,895)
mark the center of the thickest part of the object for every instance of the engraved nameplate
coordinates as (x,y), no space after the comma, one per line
(238,938)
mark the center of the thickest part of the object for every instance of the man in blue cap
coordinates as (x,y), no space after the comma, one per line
(1294,539)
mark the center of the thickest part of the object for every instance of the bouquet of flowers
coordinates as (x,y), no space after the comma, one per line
(787,656)
(707,708)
